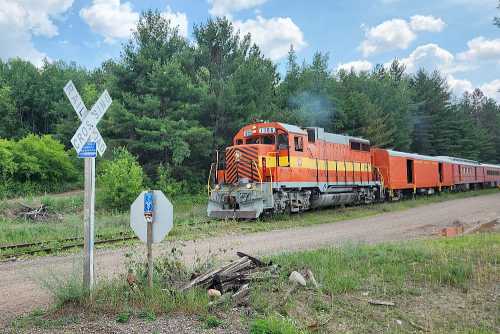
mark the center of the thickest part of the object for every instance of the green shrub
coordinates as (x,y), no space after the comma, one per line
(66,289)
(7,164)
(211,321)
(168,184)
(123,317)
(35,164)
(273,325)
(44,159)
(120,180)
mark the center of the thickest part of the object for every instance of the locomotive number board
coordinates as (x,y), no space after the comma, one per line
(267,130)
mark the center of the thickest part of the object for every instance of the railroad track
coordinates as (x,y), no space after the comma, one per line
(13,251)
(50,246)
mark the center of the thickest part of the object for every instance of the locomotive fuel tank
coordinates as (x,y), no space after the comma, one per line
(329,200)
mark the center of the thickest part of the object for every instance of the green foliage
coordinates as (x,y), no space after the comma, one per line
(168,184)
(67,289)
(120,180)
(123,317)
(273,325)
(147,315)
(34,164)
(211,321)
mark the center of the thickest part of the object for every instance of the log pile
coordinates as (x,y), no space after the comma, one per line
(235,277)
(38,213)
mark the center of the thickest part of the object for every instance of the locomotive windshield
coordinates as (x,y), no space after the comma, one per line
(266,140)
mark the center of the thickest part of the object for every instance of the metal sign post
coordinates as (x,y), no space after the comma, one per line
(87,141)
(148,217)
(151,218)
(88,224)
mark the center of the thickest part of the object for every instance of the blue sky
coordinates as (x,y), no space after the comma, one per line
(454,36)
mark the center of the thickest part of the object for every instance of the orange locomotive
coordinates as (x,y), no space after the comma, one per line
(277,167)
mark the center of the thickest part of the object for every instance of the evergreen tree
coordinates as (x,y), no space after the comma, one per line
(432,97)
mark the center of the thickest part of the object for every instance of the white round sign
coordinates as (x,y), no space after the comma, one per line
(163,217)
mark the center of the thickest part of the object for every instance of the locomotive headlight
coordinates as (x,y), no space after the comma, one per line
(217,187)
(249,186)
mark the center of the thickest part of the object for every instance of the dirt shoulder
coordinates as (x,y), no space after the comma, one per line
(21,287)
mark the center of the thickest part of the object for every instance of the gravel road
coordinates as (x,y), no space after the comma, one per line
(21,282)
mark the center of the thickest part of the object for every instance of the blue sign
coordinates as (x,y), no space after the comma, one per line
(148,202)
(89,150)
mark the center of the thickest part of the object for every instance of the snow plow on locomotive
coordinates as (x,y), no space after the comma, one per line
(276,167)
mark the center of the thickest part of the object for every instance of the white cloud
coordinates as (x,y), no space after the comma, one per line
(389,35)
(397,33)
(356,66)
(492,89)
(426,23)
(21,19)
(110,18)
(227,7)
(115,20)
(430,57)
(459,86)
(481,48)
(177,19)
(274,36)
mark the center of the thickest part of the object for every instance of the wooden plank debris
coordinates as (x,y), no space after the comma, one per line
(235,277)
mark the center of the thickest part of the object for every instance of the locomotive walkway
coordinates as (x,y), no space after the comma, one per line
(20,284)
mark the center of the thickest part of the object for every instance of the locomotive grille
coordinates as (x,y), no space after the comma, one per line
(239,164)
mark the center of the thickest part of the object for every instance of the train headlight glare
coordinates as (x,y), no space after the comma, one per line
(217,187)
(249,186)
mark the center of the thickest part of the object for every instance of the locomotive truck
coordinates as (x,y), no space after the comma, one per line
(273,167)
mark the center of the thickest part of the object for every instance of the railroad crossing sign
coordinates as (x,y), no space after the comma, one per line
(155,207)
(86,141)
(82,112)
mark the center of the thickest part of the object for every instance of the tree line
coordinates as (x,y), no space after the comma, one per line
(176,101)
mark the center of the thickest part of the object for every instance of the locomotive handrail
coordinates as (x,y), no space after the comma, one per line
(260,177)
(271,186)
(208,181)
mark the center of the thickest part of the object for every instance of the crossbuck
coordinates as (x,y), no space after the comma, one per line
(86,141)
(87,132)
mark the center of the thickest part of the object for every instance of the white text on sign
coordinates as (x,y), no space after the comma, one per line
(81,111)
(89,123)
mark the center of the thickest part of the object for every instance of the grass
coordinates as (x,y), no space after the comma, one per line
(440,286)
(274,325)
(190,220)
(41,319)
(211,321)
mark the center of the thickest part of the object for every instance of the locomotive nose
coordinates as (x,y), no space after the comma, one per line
(241,164)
